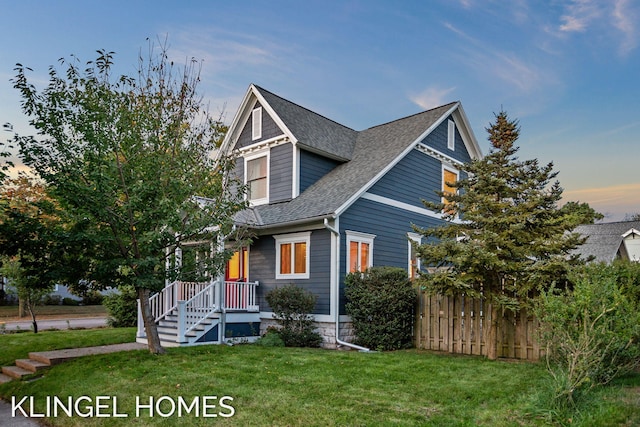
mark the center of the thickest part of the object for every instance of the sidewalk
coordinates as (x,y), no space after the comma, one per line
(76,323)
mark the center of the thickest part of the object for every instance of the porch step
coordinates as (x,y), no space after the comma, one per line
(5,378)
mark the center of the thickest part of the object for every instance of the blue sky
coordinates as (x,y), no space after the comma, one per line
(568,70)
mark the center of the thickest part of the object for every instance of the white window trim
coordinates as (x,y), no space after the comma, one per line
(416,238)
(451,135)
(452,170)
(304,237)
(264,153)
(256,123)
(356,236)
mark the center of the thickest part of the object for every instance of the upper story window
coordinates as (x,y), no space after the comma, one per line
(256,123)
(449,177)
(292,255)
(257,178)
(451,135)
(359,251)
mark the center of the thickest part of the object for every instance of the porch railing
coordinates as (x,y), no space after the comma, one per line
(196,310)
(241,296)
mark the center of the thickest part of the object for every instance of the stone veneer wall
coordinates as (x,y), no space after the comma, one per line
(326,329)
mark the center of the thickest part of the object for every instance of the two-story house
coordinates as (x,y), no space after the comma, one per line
(326,200)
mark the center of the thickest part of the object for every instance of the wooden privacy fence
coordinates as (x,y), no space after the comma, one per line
(455,325)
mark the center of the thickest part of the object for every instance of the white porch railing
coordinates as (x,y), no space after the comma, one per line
(196,301)
(240,296)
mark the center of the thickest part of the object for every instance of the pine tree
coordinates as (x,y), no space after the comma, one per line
(505,238)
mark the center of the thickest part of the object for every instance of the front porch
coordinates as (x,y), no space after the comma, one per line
(194,313)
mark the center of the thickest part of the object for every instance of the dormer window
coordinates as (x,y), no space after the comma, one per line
(451,135)
(256,123)
(257,178)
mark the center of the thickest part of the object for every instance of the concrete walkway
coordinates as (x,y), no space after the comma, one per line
(46,324)
(55,357)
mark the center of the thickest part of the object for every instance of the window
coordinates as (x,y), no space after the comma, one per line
(449,177)
(292,255)
(414,262)
(256,178)
(359,251)
(451,135)
(256,123)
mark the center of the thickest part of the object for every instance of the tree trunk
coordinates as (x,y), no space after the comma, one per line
(33,319)
(22,311)
(491,332)
(150,327)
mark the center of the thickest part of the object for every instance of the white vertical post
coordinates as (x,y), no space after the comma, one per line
(181,321)
(141,333)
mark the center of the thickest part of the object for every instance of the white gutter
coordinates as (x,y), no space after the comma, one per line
(336,278)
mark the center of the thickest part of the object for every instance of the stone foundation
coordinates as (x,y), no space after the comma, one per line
(326,329)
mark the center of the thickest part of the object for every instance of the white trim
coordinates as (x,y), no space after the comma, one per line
(358,237)
(281,239)
(256,123)
(451,135)
(423,148)
(395,161)
(630,232)
(401,205)
(295,185)
(262,145)
(466,133)
(256,155)
(415,237)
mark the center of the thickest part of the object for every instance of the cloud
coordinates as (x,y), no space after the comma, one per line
(507,66)
(431,97)
(624,19)
(614,201)
(579,14)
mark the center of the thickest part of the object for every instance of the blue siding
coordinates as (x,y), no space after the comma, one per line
(389,224)
(281,170)
(262,267)
(438,140)
(269,129)
(416,177)
(313,167)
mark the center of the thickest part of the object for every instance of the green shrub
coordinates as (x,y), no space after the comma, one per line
(122,307)
(92,298)
(70,302)
(591,332)
(271,339)
(52,300)
(381,303)
(291,306)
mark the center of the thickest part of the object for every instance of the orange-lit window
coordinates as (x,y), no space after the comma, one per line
(238,266)
(292,256)
(360,253)
(448,178)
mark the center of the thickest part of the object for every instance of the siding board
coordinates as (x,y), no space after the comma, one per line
(281,173)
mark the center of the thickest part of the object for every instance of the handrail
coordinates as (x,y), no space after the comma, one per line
(194,311)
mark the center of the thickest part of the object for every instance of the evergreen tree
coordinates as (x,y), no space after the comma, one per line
(505,237)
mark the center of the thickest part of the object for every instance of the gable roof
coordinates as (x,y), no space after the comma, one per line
(367,155)
(605,240)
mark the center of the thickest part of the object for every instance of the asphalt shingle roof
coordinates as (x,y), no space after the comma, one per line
(370,152)
(604,239)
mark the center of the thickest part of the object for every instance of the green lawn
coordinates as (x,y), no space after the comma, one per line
(312,387)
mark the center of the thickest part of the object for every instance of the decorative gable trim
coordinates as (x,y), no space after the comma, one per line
(423,148)
(630,232)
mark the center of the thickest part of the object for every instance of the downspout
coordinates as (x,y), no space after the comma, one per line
(336,301)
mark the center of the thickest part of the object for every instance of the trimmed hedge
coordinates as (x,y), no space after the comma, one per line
(381,303)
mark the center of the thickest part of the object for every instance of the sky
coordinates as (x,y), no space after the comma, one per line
(567,70)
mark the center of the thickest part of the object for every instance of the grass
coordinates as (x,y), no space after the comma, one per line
(9,313)
(312,387)
(18,346)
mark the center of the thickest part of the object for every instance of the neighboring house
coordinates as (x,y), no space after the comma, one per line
(607,242)
(325,200)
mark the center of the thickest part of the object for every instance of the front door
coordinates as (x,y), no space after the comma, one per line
(237,269)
